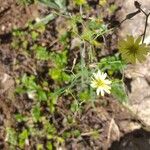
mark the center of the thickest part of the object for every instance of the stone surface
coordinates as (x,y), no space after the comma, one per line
(134,26)
(139,98)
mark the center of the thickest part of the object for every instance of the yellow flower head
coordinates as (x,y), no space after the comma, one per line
(132,51)
(100,82)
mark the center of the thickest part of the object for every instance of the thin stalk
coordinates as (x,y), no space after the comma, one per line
(82,55)
(145,28)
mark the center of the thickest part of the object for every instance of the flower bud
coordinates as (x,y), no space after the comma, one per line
(137,4)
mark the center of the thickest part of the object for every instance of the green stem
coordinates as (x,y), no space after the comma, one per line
(82,55)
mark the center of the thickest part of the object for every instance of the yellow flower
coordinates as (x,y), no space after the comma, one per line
(100,82)
(132,51)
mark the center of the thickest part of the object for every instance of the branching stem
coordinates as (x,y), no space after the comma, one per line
(146,23)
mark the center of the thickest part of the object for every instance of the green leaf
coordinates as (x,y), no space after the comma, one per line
(11,136)
(75,106)
(34,35)
(55,74)
(103,2)
(75,133)
(52,101)
(29,82)
(40,147)
(49,128)
(25,44)
(96,25)
(20,90)
(80,2)
(20,117)
(46,19)
(59,59)
(112,64)
(22,138)
(88,35)
(42,96)
(55,4)
(61,4)
(66,77)
(36,113)
(112,8)
(49,146)
(41,53)
(118,91)
(85,95)
(25,2)
(50,3)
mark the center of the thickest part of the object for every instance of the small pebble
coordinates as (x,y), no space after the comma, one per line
(3,28)
(1,120)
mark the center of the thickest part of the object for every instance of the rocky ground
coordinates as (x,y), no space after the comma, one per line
(139,75)
(138,78)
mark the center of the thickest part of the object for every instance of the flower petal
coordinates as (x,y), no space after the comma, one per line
(108,81)
(98,91)
(102,92)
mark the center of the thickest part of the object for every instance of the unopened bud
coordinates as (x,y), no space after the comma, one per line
(131,15)
(137,4)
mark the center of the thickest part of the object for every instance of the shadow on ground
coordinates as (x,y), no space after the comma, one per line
(136,140)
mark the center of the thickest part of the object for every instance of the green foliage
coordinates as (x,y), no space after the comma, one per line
(11,136)
(34,35)
(38,27)
(52,101)
(41,94)
(112,64)
(40,147)
(93,29)
(55,4)
(59,75)
(41,53)
(26,2)
(43,21)
(59,59)
(73,134)
(75,106)
(58,72)
(49,146)
(20,118)
(36,113)
(29,86)
(22,39)
(73,23)
(84,95)
(80,2)
(103,2)
(118,91)
(112,8)
(23,137)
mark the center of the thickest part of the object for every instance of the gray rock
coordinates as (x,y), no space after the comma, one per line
(139,98)
(134,26)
